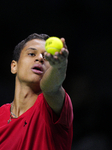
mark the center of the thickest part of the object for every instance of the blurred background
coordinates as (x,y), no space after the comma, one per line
(86,26)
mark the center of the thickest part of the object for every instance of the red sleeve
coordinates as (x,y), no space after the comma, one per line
(66,116)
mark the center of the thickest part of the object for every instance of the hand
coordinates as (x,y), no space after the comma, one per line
(58,60)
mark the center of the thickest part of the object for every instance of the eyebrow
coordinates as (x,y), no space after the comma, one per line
(32,48)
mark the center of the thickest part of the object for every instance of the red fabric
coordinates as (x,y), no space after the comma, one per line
(38,128)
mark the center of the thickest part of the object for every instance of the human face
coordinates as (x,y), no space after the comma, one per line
(31,65)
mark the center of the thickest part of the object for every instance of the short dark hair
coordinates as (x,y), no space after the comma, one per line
(20,46)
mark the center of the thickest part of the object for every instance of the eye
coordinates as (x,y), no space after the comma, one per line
(31,54)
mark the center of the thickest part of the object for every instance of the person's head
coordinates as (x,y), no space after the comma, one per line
(29,64)
(20,46)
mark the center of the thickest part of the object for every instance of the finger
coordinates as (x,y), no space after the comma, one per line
(47,56)
(64,52)
(64,43)
(53,59)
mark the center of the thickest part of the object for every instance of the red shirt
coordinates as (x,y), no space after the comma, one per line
(38,128)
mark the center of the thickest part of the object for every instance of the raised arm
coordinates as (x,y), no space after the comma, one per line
(51,83)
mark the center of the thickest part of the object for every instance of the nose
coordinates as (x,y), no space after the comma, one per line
(40,58)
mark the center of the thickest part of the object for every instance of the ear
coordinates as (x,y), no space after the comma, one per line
(14,67)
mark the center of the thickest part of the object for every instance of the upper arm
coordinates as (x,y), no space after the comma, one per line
(65,117)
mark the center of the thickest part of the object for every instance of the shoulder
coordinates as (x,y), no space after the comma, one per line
(66,116)
(4,107)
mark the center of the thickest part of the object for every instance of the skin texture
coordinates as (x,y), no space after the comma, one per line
(29,84)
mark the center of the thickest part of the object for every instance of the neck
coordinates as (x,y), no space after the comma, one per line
(24,98)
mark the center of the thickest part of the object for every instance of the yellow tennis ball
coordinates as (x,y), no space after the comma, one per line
(53,44)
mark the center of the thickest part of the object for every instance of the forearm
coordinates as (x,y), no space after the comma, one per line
(53,79)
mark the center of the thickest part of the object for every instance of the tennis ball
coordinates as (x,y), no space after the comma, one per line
(53,44)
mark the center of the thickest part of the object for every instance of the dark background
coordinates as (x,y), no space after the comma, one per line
(86,26)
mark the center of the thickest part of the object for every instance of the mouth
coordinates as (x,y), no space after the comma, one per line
(38,69)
